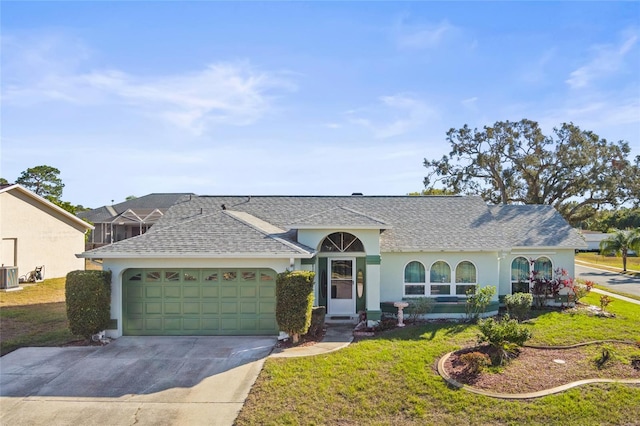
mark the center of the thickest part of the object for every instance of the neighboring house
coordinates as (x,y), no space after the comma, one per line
(36,232)
(209,265)
(593,239)
(127,219)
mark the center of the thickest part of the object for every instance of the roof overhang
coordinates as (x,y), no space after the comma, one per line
(47,203)
(89,255)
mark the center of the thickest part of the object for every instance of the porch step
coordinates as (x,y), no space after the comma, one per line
(341,319)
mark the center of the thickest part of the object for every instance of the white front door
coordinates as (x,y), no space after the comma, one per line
(342,297)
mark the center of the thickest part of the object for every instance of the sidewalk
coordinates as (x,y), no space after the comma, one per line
(616,296)
(336,337)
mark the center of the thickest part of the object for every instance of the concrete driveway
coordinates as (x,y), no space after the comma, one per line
(133,380)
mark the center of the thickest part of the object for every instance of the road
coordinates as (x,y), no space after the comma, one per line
(614,281)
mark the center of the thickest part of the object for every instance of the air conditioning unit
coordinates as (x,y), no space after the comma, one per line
(8,277)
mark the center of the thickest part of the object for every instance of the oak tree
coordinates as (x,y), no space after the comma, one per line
(572,169)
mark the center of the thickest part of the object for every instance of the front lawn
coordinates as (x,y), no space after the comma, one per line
(391,379)
(35,316)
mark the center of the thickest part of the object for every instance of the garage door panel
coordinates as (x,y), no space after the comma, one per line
(172,324)
(210,308)
(191,307)
(228,307)
(153,324)
(153,292)
(228,292)
(191,324)
(210,324)
(172,292)
(153,308)
(191,292)
(248,307)
(172,308)
(249,291)
(267,292)
(210,292)
(228,324)
(135,308)
(199,302)
(267,308)
(248,324)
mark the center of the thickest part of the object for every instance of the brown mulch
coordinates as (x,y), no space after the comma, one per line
(305,340)
(535,369)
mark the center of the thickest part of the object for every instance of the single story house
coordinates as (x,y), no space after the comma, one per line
(209,265)
(36,232)
(126,219)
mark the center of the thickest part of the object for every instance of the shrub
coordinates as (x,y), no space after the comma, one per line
(475,361)
(581,289)
(544,289)
(88,299)
(418,307)
(605,357)
(503,336)
(318,314)
(294,302)
(604,302)
(518,305)
(478,298)
(387,323)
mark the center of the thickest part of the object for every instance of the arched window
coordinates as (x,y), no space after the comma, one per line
(341,242)
(440,278)
(543,268)
(414,279)
(520,275)
(465,277)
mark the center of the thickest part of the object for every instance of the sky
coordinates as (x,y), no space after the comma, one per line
(296,98)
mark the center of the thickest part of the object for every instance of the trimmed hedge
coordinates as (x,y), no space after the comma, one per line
(88,297)
(294,302)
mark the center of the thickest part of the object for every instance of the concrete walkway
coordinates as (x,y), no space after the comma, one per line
(336,337)
(616,296)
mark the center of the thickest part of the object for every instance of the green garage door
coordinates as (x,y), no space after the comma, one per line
(191,302)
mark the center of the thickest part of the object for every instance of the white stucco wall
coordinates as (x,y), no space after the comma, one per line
(39,235)
(118,266)
(393,264)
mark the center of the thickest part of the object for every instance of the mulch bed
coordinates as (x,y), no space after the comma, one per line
(536,369)
(305,340)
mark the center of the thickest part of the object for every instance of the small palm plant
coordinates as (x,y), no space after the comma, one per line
(620,243)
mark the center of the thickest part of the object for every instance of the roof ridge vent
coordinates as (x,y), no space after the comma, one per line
(357,194)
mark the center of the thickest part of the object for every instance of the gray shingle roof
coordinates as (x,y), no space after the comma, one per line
(340,217)
(198,225)
(535,226)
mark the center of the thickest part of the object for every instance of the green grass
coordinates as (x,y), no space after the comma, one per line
(391,379)
(35,316)
(633,263)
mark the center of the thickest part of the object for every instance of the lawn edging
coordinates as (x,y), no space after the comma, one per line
(537,394)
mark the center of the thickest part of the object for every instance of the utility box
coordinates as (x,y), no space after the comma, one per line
(8,277)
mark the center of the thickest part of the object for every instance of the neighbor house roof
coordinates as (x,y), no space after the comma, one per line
(141,207)
(224,226)
(46,204)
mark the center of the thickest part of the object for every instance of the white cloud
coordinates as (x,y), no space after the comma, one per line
(407,113)
(606,60)
(425,36)
(230,93)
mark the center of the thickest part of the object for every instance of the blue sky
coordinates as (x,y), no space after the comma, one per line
(326,98)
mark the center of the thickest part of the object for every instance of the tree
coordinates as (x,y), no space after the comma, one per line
(573,170)
(43,180)
(3,181)
(431,191)
(620,243)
